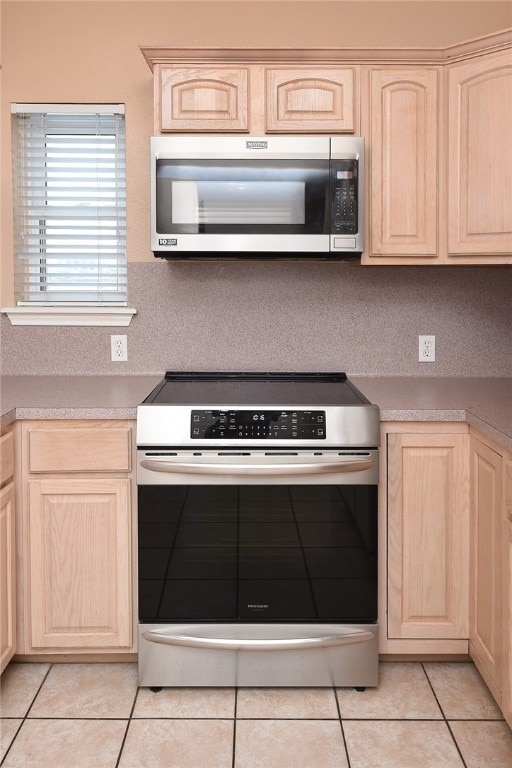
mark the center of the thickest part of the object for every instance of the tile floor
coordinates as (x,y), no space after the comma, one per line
(430,715)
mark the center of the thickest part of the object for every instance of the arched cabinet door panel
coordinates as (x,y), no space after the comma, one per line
(479,157)
(203,99)
(316,100)
(404,139)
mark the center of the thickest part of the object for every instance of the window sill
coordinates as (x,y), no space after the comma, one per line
(91,316)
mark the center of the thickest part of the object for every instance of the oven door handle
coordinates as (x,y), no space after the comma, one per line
(165,637)
(259,470)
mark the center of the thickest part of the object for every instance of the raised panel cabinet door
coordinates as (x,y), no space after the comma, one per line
(203,98)
(480,156)
(506,699)
(428,489)
(485,609)
(7,577)
(80,564)
(316,100)
(404,162)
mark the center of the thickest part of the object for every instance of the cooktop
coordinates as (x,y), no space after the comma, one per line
(236,388)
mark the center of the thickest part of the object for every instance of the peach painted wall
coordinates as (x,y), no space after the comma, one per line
(89,52)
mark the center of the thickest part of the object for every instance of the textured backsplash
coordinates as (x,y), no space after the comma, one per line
(288,316)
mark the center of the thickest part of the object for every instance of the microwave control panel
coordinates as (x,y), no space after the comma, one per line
(344,197)
(257,425)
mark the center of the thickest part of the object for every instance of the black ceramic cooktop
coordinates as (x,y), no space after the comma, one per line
(235,388)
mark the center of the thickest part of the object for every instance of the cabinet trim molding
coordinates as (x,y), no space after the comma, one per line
(162,54)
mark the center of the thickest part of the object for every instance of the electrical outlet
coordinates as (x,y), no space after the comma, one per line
(427,349)
(118,349)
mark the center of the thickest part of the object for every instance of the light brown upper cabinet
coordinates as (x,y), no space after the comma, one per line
(479,159)
(253,98)
(403,128)
(309,100)
(202,98)
(436,124)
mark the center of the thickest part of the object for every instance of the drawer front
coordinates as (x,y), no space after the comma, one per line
(6,458)
(80,450)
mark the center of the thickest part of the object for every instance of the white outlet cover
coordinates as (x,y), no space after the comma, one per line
(119,348)
(426,349)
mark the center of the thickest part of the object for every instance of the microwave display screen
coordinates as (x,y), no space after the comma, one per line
(242,196)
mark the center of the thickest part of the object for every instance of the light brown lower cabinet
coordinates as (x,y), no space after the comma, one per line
(506,697)
(485,632)
(426,496)
(7,577)
(75,538)
(7,549)
(490,628)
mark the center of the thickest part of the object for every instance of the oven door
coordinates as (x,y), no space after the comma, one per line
(230,198)
(250,551)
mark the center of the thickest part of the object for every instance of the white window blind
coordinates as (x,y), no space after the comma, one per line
(69,184)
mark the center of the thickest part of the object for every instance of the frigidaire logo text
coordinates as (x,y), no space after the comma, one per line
(256,144)
(258,606)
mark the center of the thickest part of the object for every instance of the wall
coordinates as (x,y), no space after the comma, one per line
(287,315)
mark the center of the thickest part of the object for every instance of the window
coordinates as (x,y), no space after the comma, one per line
(69,205)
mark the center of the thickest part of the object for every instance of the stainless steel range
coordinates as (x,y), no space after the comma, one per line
(257,504)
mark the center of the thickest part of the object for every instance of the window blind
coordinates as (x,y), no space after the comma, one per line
(69,185)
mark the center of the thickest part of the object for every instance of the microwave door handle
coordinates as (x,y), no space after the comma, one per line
(166,637)
(259,470)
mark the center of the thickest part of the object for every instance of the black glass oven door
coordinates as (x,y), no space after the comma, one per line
(258,553)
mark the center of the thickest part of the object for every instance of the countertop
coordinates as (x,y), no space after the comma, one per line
(485,403)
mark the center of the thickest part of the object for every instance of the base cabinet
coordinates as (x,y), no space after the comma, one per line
(485,629)
(75,538)
(7,577)
(427,543)
(7,549)
(506,697)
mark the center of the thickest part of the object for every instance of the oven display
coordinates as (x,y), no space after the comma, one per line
(257,425)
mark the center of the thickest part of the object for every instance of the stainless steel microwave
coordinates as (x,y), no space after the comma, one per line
(250,197)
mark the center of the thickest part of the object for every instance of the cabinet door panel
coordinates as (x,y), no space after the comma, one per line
(80,555)
(427,536)
(7,577)
(506,700)
(480,156)
(485,630)
(404,146)
(310,100)
(204,99)
(6,457)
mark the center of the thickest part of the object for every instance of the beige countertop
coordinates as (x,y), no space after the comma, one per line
(485,403)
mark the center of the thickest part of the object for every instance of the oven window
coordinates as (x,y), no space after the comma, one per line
(258,553)
(242,197)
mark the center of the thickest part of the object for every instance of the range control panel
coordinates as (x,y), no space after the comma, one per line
(257,425)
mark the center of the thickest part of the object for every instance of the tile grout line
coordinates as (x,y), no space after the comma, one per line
(234,728)
(443,714)
(127,726)
(26,714)
(341,726)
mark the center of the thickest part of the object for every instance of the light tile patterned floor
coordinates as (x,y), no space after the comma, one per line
(430,715)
